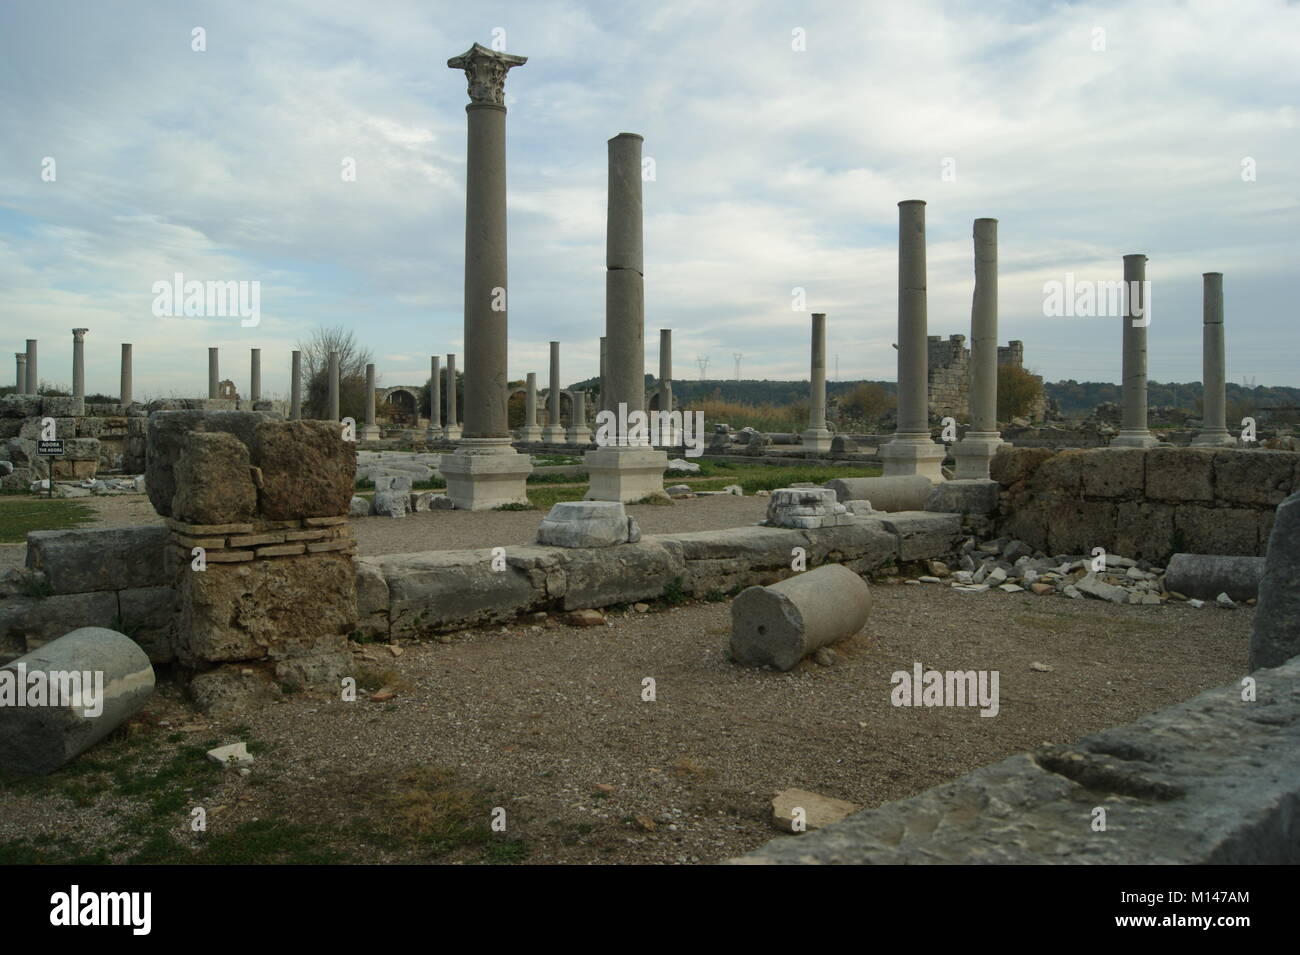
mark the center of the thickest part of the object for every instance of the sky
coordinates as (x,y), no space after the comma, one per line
(783,137)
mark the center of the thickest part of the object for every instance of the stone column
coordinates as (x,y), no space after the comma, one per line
(976,448)
(79,362)
(554,431)
(669,434)
(451,431)
(578,432)
(20,359)
(125,396)
(435,401)
(295,386)
(912,450)
(255,376)
(1214,404)
(1133,432)
(817,437)
(371,430)
(333,385)
(603,372)
(486,471)
(624,467)
(33,376)
(214,374)
(530,432)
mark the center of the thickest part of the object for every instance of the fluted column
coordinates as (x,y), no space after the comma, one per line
(817,438)
(125,395)
(295,386)
(1214,403)
(79,362)
(977,447)
(214,374)
(1133,431)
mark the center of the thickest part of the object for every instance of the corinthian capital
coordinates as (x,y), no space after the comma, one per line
(486,70)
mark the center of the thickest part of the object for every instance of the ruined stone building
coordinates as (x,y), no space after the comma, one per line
(950,373)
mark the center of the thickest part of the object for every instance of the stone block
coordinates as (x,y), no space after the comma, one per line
(1144,530)
(440,590)
(1255,478)
(923,534)
(212,480)
(605,576)
(587,524)
(308,470)
(1062,472)
(964,497)
(37,621)
(1216,530)
(1275,637)
(1180,474)
(906,493)
(102,558)
(812,810)
(148,616)
(62,406)
(167,429)
(229,690)
(372,599)
(1114,472)
(1076,527)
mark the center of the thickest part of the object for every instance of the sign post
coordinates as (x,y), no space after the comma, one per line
(50,449)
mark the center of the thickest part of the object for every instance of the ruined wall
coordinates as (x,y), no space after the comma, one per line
(949,372)
(1143,504)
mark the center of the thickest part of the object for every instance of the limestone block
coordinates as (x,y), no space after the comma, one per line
(1062,472)
(779,625)
(38,621)
(167,429)
(372,598)
(1275,637)
(922,534)
(763,546)
(1076,527)
(439,590)
(600,577)
(390,503)
(40,739)
(102,558)
(964,497)
(812,810)
(359,507)
(20,406)
(148,616)
(1216,530)
(308,470)
(1180,474)
(905,493)
(587,524)
(863,545)
(1114,472)
(1255,478)
(232,689)
(1091,585)
(32,429)
(1143,530)
(213,482)
(1208,575)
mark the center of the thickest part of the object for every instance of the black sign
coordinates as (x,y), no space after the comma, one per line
(50,448)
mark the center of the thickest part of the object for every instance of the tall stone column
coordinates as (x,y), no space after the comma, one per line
(1133,432)
(912,450)
(33,375)
(255,375)
(1214,404)
(530,431)
(20,359)
(486,471)
(976,448)
(79,362)
(333,384)
(553,433)
(669,435)
(370,431)
(435,401)
(214,374)
(817,437)
(578,432)
(603,372)
(125,394)
(295,386)
(451,431)
(624,467)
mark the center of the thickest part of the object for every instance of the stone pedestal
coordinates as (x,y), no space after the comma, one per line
(816,437)
(625,474)
(484,473)
(530,432)
(1214,430)
(1133,425)
(370,430)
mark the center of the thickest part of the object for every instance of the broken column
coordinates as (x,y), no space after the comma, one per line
(485,471)
(578,432)
(89,680)
(530,431)
(20,359)
(817,437)
(125,396)
(435,398)
(33,376)
(332,383)
(451,430)
(587,524)
(295,386)
(255,375)
(1214,415)
(624,467)
(553,433)
(778,626)
(79,362)
(1133,432)
(214,375)
(370,431)
(912,451)
(976,448)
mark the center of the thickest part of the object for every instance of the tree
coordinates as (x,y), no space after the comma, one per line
(352,373)
(1018,392)
(868,401)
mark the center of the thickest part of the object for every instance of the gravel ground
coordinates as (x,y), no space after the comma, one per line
(549,720)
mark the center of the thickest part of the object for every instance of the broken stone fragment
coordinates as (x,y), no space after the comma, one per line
(798,810)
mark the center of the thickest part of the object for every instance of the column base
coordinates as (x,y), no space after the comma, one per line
(530,434)
(552,434)
(451,432)
(816,439)
(973,454)
(432,435)
(626,475)
(911,454)
(369,432)
(484,473)
(1219,438)
(579,436)
(1134,439)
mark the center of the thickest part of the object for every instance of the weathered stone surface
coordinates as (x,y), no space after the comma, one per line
(1215,530)
(1180,474)
(587,524)
(62,406)
(231,688)
(437,590)
(101,558)
(1077,527)
(1144,529)
(922,534)
(40,621)
(1255,478)
(812,810)
(148,616)
(166,431)
(213,484)
(1092,586)
(1062,472)
(964,497)
(1114,472)
(904,493)
(40,739)
(360,507)
(265,609)
(615,575)
(1210,781)
(372,598)
(388,503)
(779,625)
(1276,634)
(308,470)
(1208,575)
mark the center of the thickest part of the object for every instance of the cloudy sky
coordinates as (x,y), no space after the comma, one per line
(783,136)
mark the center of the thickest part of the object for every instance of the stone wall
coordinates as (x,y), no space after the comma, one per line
(97,437)
(949,370)
(1143,503)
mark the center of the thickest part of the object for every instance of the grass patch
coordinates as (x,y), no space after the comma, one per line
(19,517)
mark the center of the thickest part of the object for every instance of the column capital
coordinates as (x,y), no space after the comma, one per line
(79,334)
(486,70)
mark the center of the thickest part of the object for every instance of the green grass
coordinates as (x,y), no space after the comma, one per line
(19,517)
